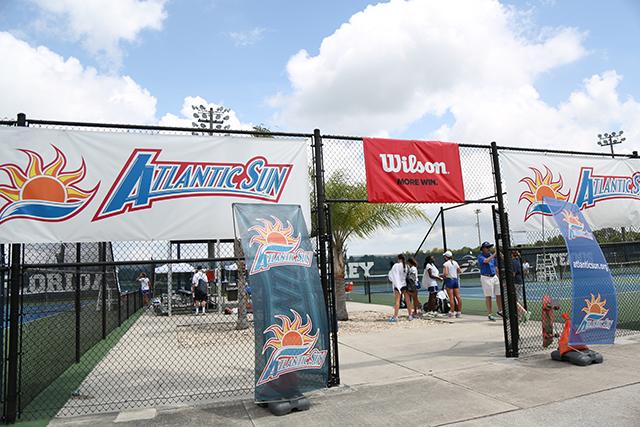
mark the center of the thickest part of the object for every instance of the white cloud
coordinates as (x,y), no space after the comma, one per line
(102,25)
(394,63)
(477,61)
(247,38)
(43,84)
(186,118)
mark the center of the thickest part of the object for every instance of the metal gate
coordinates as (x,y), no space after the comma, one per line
(80,338)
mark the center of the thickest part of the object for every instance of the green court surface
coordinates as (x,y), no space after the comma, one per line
(49,372)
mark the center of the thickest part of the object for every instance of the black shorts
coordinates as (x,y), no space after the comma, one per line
(200,296)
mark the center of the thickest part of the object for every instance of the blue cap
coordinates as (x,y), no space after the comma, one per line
(487,245)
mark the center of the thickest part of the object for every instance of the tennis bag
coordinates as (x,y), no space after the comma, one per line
(443,302)
(411,281)
(202,287)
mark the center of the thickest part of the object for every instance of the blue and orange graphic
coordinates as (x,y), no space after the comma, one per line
(43,192)
(539,187)
(278,246)
(575,226)
(293,348)
(145,180)
(595,315)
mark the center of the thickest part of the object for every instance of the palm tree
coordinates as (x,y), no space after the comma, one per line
(358,220)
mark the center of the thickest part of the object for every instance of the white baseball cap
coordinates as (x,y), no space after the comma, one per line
(448,254)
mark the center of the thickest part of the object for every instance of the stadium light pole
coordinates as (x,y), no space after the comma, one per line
(215,118)
(477,212)
(611,139)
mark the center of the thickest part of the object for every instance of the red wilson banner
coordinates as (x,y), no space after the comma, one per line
(400,171)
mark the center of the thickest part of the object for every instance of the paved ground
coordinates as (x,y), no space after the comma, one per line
(156,355)
(454,373)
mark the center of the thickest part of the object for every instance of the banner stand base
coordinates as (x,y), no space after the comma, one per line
(580,358)
(301,403)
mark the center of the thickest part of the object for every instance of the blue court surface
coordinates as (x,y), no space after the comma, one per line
(32,312)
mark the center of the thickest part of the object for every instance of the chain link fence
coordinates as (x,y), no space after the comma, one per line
(93,339)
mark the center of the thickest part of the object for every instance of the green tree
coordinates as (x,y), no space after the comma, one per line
(358,220)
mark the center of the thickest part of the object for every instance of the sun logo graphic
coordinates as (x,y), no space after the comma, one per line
(43,192)
(277,246)
(595,313)
(293,348)
(575,226)
(539,187)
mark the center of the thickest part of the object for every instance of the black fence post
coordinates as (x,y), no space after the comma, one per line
(127,304)
(13,363)
(15,285)
(119,308)
(78,304)
(103,258)
(328,284)
(508,266)
(444,230)
(367,288)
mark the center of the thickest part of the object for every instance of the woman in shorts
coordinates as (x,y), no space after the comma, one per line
(412,286)
(430,279)
(398,278)
(451,270)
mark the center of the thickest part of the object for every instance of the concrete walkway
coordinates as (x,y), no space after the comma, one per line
(448,373)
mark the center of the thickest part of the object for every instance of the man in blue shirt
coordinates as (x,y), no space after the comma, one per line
(489,278)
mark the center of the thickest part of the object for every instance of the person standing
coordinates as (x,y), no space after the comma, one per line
(518,282)
(398,277)
(451,270)
(430,279)
(489,279)
(412,286)
(144,288)
(199,285)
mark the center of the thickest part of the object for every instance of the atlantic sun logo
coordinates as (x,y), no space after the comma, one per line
(595,315)
(293,348)
(539,187)
(277,246)
(575,226)
(43,192)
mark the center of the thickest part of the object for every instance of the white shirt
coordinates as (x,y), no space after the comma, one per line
(199,275)
(398,276)
(451,269)
(428,280)
(144,283)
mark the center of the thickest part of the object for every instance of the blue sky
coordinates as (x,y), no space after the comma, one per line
(529,73)
(194,53)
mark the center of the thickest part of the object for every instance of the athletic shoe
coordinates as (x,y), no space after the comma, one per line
(491,318)
(393,319)
(410,318)
(458,315)
(526,316)
(499,313)
(450,314)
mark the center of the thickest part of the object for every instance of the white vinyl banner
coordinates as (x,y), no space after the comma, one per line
(71,186)
(606,190)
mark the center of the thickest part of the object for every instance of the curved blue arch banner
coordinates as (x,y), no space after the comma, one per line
(289,311)
(594,308)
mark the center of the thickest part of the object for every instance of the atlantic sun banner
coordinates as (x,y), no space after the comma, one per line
(80,186)
(289,311)
(606,190)
(594,311)
(403,171)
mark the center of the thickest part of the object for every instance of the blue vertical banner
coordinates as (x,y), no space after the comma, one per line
(289,311)
(594,312)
